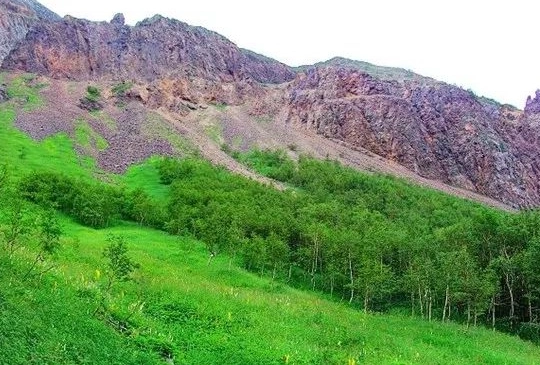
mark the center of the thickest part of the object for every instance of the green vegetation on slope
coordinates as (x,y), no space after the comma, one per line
(88,139)
(146,177)
(25,91)
(212,314)
(60,305)
(45,322)
(52,154)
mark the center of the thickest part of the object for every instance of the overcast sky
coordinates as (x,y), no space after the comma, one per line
(488,46)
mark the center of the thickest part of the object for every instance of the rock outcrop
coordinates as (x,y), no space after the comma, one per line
(177,60)
(16,18)
(532,105)
(439,131)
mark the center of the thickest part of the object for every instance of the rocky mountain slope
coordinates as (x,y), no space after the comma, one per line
(437,131)
(175,60)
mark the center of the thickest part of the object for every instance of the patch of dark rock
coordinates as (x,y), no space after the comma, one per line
(3,93)
(90,105)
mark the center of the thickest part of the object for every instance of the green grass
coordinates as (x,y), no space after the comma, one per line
(220,106)
(121,88)
(214,132)
(21,90)
(201,313)
(46,322)
(27,155)
(88,138)
(157,127)
(210,314)
(104,118)
(92,94)
(145,176)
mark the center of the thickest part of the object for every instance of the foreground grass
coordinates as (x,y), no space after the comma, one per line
(45,322)
(212,314)
(208,314)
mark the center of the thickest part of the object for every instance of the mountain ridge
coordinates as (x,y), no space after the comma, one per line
(436,130)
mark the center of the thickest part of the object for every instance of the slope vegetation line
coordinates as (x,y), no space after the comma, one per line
(211,151)
(367,161)
(236,122)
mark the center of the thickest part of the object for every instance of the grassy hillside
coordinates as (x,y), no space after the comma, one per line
(216,314)
(178,304)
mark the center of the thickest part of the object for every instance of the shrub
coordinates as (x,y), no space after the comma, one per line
(121,88)
(92,94)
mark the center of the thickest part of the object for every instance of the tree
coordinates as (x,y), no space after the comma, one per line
(119,265)
(49,232)
(277,253)
(18,226)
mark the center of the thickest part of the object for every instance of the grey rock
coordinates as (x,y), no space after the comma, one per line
(3,93)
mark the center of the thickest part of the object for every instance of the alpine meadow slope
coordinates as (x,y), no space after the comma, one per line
(176,306)
(167,197)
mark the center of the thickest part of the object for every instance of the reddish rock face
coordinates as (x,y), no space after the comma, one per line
(154,51)
(439,131)
(532,105)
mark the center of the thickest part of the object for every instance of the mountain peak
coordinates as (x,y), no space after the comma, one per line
(379,72)
(118,20)
(154,48)
(16,18)
(532,105)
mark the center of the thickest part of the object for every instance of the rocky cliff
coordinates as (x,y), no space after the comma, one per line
(172,57)
(439,131)
(16,18)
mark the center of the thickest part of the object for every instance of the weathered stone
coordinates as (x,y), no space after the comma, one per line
(16,19)
(3,93)
(118,20)
(437,130)
(532,105)
(90,105)
(201,64)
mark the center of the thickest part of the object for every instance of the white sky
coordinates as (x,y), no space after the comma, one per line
(488,46)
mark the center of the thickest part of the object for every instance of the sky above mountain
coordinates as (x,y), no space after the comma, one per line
(485,46)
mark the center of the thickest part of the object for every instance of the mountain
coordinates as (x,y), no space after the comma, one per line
(169,198)
(157,50)
(392,119)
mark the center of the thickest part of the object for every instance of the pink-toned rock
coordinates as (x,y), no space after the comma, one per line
(532,105)
(439,131)
(193,62)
